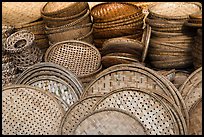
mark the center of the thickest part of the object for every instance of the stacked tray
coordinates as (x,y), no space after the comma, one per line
(55,79)
(197,50)
(191,91)
(116,19)
(195,20)
(38,29)
(20,46)
(67,21)
(170,43)
(81,58)
(28,110)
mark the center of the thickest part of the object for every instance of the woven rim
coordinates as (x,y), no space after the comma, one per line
(162,99)
(145,39)
(80,43)
(137,127)
(71,9)
(193,24)
(73,109)
(101,11)
(25,35)
(42,92)
(174,10)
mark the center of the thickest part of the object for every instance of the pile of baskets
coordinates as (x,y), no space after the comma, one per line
(170,43)
(67,21)
(116,19)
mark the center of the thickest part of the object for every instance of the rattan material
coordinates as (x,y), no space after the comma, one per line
(51,69)
(15,13)
(146,106)
(145,39)
(105,12)
(70,33)
(62,9)
(79,57)
(176,10)
(29,110)
(77,111)
(118,44)
(110,122)
(196,119)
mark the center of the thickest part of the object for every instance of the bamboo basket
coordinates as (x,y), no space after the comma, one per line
(15,13)
(41,119)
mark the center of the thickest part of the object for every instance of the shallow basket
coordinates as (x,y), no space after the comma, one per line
(15,13)
(34,111)
(79,57)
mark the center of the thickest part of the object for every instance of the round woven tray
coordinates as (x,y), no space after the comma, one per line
(69,33)
(110,122)
(77,111)
(146,106)
(51,69)
(79,57)
(118,44)
(129,75)
(195,114)
(15,13)
(30,110)
(105,12)
(174,10)
(61,9)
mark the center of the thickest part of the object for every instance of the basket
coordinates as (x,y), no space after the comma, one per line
(77,111)
(79,57)
(83,16)
(70,33)
(15,13)
(51,69)
(144,104)
(63,9)
(105,12)
(110,122)
(174,10)
(34,111)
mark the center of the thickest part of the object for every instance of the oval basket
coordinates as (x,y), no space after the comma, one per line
(79,57)
(30,110)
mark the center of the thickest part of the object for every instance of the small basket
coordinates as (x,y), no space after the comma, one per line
(79,57)
(63,9)
(15,13)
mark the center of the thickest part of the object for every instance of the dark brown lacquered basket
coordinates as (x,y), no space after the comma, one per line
(79,57)
(143,104)
(106,12)
(29,110)
(77,111)
(129,75)
(63,9)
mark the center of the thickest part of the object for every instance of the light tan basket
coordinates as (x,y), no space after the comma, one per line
(29,110)
(79,57)
(15,13)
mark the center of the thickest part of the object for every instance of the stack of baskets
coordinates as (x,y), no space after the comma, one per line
(20,46)
(67,21)
(38,29)
(81,58)
(170,44)
(116,19)
(8,69)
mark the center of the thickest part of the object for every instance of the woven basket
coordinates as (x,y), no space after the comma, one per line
(143,104)
(15,13)
(79,57)
(63,9)
(34,111)
(70,33)
(106,12)
(176,10)
(83,16)
(76,112)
